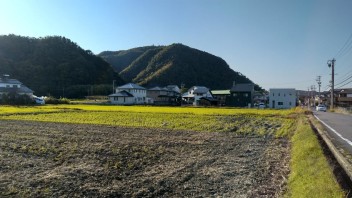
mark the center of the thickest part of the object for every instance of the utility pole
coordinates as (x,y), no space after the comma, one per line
(319,84)
(113,86)
(331,63)
(308,102)
(312,88)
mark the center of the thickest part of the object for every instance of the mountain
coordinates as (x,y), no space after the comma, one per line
(121,59)
(174,64)
(55,66)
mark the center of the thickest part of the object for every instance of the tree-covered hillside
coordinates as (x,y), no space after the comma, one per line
(55,66)
(122,59)
(177,64)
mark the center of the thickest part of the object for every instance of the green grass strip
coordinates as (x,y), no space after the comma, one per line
(311,175)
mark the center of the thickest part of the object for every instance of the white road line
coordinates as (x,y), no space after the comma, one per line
(333,130)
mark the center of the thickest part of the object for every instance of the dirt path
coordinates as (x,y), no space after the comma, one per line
(73,160)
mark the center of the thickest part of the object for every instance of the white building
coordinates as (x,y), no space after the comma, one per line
(195,93)
(8,85)
(129,94)
(282,98)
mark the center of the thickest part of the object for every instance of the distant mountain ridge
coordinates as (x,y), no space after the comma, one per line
(174,64)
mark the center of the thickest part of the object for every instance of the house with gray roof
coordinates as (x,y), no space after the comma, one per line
(196,94)
(344,97)
(241,95)
(168,95)
(129,94)
(8,85)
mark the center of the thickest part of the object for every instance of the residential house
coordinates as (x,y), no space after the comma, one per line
(241,95)
(220,96)
(198,95)
(174,88)
(8,85)
(168,95)
(344,97)
(260,97)
(129,94)
(282,98)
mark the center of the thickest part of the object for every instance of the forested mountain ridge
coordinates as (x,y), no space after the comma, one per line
(175,64)
(121,59)
(55,66)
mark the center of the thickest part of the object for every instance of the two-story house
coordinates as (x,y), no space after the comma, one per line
(220,96)
(164,95)
(195,94)
(344,97)
(129,94)
(282,98)
(8,85)
(241,95)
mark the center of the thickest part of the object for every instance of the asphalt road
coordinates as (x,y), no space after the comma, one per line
(339,127)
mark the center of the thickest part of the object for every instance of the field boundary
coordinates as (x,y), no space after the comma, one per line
(346,166)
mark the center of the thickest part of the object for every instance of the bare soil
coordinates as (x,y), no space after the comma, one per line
(74,160)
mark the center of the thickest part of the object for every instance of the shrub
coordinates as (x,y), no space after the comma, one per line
(16,99)
(52,100)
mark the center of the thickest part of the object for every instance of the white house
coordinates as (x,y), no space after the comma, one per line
(282,98)
(8,85)
(195,93)
(129,94)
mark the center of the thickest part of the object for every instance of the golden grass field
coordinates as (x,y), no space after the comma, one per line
(89,143)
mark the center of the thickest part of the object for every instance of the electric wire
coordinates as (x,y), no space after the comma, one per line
(350,77)
(345,48)
(344,85)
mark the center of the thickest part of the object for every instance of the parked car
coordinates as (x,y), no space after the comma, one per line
(39,100)
(261,105)
(321,107)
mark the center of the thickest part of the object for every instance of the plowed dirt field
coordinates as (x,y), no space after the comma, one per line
(39,159)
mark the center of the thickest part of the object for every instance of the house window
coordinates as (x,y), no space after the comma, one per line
(280,103)
(279,94)
(284,95)
(7,86)
(290,103)
(273,94)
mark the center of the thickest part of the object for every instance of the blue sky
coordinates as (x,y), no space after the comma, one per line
(276,43)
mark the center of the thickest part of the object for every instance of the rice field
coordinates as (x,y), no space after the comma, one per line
(245,121)
(101,151)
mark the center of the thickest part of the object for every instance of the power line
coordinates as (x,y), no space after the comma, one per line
(344,85)
(346,74)
(347,45)
(344,80)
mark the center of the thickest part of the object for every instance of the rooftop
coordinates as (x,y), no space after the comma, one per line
(247,87)
(131,86)
(220,92)
(121,94)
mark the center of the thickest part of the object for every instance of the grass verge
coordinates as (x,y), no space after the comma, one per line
(311,175)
